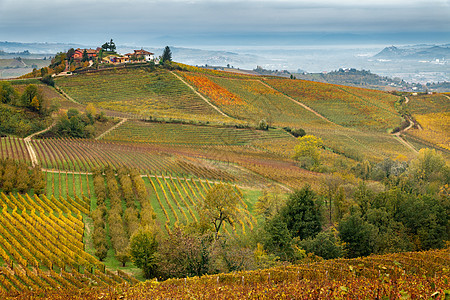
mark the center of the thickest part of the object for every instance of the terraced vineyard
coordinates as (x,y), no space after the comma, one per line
(42,246)
(156,94)
(142,132)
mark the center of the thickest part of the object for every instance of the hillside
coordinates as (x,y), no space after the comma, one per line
(305,167)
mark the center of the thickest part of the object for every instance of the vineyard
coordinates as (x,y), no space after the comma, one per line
(142,132)
(347,106)
(155,94)
(434,125)
(414,275)
(175,201)
(42,246)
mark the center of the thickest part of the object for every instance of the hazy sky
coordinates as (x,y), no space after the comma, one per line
(146,22)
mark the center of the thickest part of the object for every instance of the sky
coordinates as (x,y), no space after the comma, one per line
(225,22)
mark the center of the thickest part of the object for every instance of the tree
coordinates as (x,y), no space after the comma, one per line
(143,250)
(167,55)
(90,109)
(309,147)
(219,206)
(112,46)
(268,205)
(105,46)
(428,166)
(183,254)
(85,56)
(262,125)
(70,53)
(7,93)
(326,245)
(30,92)
(358,235)
(277,238)
(302,214)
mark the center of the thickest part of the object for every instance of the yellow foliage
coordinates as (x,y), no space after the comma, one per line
(35,103)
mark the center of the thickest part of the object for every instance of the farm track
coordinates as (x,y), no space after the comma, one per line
(398,134)
(112,128)
(299,103)
(201,96)
(31,152)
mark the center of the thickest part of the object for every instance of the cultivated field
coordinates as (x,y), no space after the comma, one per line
(145,94)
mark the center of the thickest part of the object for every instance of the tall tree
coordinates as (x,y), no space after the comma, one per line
(85,56)
(143,247)
(112,46)
(167,55)
(219,206)
(302,214)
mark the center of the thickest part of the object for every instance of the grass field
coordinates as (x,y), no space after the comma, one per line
(143,93)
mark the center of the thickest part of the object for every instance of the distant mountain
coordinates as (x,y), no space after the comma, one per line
(421,52)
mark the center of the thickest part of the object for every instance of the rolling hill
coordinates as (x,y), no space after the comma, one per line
(176,133)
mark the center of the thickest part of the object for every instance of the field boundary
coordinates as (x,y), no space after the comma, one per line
(299,103)
(201,96)
(112,128)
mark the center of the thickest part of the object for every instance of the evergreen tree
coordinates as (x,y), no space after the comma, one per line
(167,55)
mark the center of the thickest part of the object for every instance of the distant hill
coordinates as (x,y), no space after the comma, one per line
(415,53)
(36,48)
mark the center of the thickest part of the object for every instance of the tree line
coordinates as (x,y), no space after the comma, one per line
(347,217)
(19,177)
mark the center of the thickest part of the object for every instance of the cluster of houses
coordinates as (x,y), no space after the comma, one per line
(138,56)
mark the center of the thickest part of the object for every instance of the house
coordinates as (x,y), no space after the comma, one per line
(119,59)
(91,53)
(142,55)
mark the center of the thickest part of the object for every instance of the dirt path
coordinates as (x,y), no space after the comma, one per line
(201,96)
(299,103)
(111,129)
(65,95)
(398,134)
(31,152)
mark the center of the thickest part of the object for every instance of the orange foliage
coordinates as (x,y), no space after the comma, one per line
(215,92)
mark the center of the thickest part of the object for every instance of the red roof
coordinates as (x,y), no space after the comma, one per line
(142,52)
